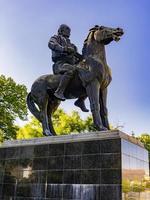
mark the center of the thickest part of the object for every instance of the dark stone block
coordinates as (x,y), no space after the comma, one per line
(8,179)
(37,190)
(68,177)
(54,191)
(72,162)
(26,198)
(39,177)
(31,190)
(56,162)
(12,153)
(56,149)
(72,192)
(90,177)
(1,189)
(54,177)
(91,162)
(2,164)
(87,170)
(110,192)
(77,176)
(23,190)
(11,166)
(2,176)
(111,146)
(90,192)
(8,190)
(2,153)
(29,176)
(111,161)
(40,163)
(72,177)
(27,152)
(48,199)
(74,148)
(91,147)
(41,150)
(25,176)
(111,176)
(25,163)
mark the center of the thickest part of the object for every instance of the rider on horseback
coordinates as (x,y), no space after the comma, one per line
(65,58)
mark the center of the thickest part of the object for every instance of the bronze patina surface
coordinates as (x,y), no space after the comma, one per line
(90,76)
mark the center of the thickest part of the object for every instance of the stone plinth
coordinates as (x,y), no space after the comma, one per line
(92,166)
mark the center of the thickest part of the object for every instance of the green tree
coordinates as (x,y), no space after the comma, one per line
(12,106)
(145,139)
(138,186)
(126,188)
(67,123)
(63,124)
(30,130)
(89,126)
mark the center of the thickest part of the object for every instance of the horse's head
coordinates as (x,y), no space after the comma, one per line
(104,34)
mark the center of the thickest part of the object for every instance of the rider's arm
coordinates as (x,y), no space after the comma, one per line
(54,45)
(77,54)
(75,48)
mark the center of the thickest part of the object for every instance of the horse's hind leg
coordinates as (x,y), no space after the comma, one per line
(43,108)
(93,94)
(103,108)
(52,106)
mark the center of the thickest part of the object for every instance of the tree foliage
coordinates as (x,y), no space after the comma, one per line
(12,106)
(68,123)
(63,124)
(30,130)
(145,139)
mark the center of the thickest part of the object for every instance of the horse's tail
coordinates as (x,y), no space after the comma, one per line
(31,105)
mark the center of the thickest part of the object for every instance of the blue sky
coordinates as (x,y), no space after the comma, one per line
(26,26)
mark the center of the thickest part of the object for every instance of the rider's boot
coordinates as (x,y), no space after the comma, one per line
(81,104)
(59,93)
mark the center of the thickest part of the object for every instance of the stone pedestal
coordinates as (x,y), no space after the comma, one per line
(92,166)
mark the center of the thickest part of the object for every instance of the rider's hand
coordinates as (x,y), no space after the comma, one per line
(70,50)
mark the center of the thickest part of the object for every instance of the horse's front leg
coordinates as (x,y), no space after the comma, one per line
(103,107)
(92,90)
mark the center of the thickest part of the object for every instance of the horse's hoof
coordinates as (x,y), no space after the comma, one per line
(103,129)
(47,133)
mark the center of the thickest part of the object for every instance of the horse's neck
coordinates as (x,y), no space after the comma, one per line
(97,52)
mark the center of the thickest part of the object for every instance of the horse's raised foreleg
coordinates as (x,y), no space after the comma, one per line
(92,90)
(103,107)
(45,124)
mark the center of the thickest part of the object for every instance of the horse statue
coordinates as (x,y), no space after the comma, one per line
(91,79)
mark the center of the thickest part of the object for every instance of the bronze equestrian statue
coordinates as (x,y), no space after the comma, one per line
(90,78)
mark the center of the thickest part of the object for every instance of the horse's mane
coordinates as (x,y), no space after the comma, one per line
(89,38)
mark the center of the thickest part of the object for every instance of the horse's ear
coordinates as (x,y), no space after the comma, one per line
(96,27)
(91,34)
(98,35)
(89,37)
